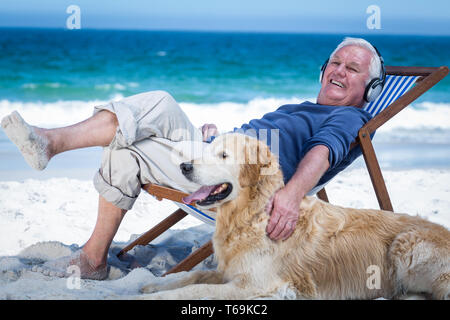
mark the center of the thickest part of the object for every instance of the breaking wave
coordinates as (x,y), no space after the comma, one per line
(427,122)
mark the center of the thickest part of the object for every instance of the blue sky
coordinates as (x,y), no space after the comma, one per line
(344,16)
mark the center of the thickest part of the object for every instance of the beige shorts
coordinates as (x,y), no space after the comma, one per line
(153,138)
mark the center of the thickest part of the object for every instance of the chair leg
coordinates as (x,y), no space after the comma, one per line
(155,231)
(193,259)
(374,171)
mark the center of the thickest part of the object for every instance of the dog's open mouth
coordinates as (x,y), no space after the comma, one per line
(207,195)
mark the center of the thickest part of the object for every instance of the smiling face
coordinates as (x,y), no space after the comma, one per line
(344,80)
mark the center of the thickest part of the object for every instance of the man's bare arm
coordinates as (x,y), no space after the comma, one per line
(285,204)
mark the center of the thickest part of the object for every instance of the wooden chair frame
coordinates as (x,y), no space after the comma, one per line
(429,76)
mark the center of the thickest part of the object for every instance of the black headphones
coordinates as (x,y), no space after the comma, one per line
(374,87)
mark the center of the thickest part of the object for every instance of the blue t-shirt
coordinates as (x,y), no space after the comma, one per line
(293,129)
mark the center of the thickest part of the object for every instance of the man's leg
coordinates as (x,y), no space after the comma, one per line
(150,114)
(98,130)
(109,218)
(92,258)
(39,145)
(159,116)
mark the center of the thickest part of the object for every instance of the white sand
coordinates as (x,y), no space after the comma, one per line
(43,220)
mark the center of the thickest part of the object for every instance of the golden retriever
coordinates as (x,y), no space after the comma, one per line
(334,252)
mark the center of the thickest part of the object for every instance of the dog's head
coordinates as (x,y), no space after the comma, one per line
(230,163)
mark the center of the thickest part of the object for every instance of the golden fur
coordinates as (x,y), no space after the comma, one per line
(334,252)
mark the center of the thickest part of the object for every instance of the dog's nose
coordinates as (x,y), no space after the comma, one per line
(186,168)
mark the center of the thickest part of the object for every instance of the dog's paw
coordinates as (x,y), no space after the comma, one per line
(161,285)
(156,287)
(150,288)
(153,296)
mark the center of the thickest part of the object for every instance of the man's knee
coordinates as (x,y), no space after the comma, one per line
(167,118)
(168,101)
(163,94)
(156,105)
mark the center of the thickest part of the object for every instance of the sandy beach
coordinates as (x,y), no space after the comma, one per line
(46,219)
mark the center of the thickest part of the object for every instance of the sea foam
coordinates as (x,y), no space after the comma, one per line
(421,122)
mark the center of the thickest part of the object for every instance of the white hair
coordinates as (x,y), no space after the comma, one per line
(375,63)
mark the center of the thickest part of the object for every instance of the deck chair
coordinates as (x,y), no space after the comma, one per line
(403,85)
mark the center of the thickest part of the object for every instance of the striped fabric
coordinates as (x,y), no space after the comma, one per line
(394,88)
(206,216)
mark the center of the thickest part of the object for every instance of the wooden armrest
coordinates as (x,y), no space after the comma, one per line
(161,192)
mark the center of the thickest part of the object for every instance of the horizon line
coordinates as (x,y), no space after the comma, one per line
(370,33)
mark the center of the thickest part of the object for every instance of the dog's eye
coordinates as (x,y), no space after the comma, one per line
(224,155)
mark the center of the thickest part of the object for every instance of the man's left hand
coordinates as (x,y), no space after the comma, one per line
(208,130)
(284,210)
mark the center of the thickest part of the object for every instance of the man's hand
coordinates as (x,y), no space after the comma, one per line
(208,130)
(284,209)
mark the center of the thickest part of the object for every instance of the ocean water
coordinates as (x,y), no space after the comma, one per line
(54,77)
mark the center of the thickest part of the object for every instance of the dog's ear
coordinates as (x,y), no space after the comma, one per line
(258,161)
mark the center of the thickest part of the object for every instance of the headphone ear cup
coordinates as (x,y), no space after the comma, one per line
(373,90)
(375,87)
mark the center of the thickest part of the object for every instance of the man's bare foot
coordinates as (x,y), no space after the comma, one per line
(33,145)
(63,267)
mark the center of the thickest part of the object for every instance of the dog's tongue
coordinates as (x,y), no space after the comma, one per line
(198,195)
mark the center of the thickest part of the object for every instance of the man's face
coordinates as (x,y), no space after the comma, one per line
(344,79)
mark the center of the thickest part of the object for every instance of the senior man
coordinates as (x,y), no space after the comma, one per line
(141,132)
